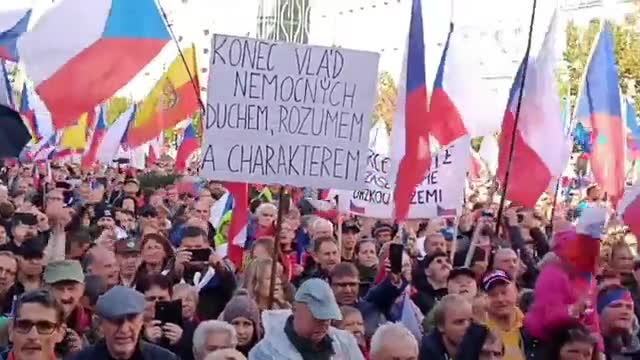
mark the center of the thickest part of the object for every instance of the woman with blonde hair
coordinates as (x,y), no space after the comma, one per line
(257,281)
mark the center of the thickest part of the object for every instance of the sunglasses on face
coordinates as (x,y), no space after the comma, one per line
(442,260)
(43,327)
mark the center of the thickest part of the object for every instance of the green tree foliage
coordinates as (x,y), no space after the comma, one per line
(627,52)
(116,106)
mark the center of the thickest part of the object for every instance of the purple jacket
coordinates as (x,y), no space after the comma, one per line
(555,291)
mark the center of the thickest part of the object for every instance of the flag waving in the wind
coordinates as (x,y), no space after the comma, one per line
(187,147)
(411,124)
(459,96)
(28,113)
(81,52)
(599,108)
(633,131)
(13,24)
(541,150)
(89,157)
(237,235)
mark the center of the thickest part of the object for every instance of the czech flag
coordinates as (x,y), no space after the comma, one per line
(237,235)
(589,231)
(187,147)
(100,130)
(629,209)
(599,107)
(458,96)
(633,131)
(81,52)
(411,148)
(13,24)
(113,137)
(540,148)
(28,113)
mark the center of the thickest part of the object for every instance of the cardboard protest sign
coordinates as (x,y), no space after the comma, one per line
(290,114)
(440,194)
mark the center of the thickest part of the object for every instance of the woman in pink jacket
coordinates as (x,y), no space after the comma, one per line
(565,292)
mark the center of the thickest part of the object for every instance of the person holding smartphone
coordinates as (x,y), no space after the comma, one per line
(199,265)
(164,325)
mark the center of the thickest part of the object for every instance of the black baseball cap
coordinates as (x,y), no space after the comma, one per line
(461,271)
(381,227)
(350,227)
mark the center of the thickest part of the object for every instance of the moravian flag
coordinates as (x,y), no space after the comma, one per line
(81,52)
(174,98)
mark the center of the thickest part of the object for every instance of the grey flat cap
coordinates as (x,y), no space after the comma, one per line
(120,302)
(318,296)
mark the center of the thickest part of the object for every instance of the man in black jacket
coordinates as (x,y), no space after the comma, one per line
(120,310)
(430,279)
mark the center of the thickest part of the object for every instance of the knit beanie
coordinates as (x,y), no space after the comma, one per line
(241,305)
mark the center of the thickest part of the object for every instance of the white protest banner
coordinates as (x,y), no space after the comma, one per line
(290,114)
(440,194)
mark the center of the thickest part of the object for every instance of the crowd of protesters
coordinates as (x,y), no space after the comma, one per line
(92,266)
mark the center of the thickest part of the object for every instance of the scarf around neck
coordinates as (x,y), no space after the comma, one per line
(308,350)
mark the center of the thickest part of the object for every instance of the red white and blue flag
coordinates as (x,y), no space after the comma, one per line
(459,98)
(100,130)
(28,113)
(633,131)
(81,52)
(188,146)
(541,150)
(13,24)
(237,235)
(599,108)
(411,150)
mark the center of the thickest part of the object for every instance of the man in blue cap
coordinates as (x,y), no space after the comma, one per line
(120,310)
(307,331)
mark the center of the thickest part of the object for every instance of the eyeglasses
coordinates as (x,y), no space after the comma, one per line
(43,327)
(155,298)
(7,271)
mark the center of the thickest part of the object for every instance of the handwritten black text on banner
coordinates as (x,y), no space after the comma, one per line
(440,194)
(288,113)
